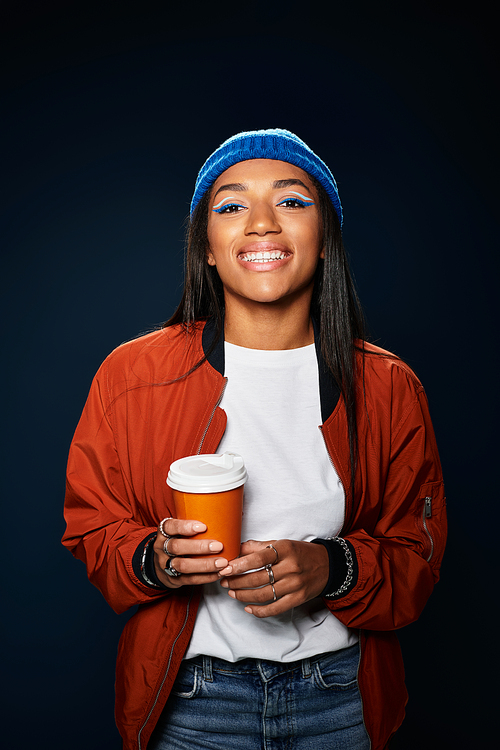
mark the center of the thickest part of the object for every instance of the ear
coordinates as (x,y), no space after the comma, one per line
(210,259)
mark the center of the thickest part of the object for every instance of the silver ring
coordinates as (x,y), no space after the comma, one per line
(165,547)
(160,526)
(270,573)
(271,546)
(170,571)
(274,593)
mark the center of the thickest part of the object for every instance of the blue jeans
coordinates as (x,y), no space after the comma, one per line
(313,704)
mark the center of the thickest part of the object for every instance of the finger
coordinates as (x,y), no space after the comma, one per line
(179,527)
(260,557)
(252,545)
(247,581)
(278,607)
(263,595)
(185,546)
(196,566)
(188,568)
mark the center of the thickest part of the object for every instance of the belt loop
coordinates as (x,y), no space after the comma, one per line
(306,668)
(207,669)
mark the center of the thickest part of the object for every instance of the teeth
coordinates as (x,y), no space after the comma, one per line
(263,257)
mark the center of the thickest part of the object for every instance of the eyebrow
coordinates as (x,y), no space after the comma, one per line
(280,184)
(235,186)
(277,185)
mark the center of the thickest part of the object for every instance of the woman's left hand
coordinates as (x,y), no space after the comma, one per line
(299,574)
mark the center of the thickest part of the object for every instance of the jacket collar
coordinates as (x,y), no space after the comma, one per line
(213,348)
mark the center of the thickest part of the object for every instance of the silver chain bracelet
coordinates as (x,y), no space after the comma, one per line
(143,564)
(350,566)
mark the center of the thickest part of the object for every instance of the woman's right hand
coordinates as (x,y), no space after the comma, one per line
(194,570)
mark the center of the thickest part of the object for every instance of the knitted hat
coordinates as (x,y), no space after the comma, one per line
(278,144)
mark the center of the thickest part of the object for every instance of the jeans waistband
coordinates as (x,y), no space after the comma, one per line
(265,668)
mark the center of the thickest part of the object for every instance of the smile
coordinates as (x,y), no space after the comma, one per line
(265,257)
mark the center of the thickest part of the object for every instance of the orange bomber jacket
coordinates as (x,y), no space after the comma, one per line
(137,421)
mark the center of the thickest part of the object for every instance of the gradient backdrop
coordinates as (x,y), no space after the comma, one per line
(107,112)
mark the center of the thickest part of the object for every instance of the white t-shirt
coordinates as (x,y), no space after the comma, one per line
(293,492)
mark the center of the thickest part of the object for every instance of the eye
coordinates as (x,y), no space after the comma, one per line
(293,203)
(301,202)
(229,208)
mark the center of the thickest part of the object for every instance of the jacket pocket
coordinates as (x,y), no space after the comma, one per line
(431,522)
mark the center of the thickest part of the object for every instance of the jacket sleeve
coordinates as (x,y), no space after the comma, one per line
(399,551)
(102,529)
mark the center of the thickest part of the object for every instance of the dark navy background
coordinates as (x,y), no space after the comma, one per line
(107,113)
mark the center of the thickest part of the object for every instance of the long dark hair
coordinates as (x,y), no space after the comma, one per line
(335,303)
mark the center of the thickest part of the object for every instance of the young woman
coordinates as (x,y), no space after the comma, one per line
(292,643)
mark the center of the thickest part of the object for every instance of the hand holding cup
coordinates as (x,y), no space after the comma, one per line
(195,559)
(208,487)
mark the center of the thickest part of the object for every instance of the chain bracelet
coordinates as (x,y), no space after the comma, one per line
(350,566)
(143,564)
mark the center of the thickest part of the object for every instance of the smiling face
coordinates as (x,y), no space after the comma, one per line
(264,233)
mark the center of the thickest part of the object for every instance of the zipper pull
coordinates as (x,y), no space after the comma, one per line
(428,507)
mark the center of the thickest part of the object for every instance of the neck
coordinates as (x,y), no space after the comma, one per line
(273,326)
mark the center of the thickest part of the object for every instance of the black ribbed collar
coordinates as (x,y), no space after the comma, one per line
(328,388)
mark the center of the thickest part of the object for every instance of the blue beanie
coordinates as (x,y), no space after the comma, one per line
(278,144)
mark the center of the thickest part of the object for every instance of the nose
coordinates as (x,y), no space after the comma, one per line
(262,220)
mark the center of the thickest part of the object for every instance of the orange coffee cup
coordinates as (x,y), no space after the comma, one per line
(209,488)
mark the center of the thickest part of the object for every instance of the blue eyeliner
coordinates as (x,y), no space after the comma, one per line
(302,204)
(227,205)
(228,198)
(305,198)
(219,208)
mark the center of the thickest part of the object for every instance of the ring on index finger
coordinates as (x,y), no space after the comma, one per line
(160,526)
(275,598)
(270,573)
(271,546)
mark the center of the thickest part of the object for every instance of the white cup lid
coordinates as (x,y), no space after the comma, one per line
(209,472)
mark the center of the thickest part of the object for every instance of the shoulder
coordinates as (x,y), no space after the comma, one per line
(383,364)
(160,355)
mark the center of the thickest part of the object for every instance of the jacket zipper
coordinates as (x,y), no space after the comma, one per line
(211,417)
(427,513)
(166,671)
(192,592)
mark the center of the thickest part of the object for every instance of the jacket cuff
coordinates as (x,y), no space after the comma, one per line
(343,565)
(144,566)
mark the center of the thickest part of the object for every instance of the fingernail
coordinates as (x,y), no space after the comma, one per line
(221,563)
(224,584)
(249,610)
(226,572)
(199,527)
(231,594)
(215,546)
